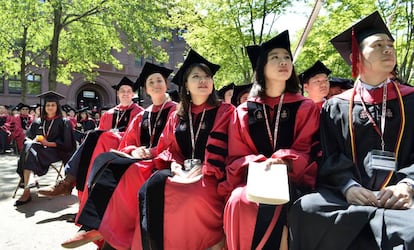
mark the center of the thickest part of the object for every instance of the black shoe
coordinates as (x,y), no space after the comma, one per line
(19,203)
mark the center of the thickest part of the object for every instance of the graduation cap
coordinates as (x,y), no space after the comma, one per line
(34,106)
(238,91)
(51,96)
(22,105)
(317,68)
(348,41)
(343,83)
(125,81)
(193,58)
(84,109)
(174,95)
(279,41)
(224,89)
(149,69)
(253,51)
(67,108)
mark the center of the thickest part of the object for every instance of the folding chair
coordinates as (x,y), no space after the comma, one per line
(57,166)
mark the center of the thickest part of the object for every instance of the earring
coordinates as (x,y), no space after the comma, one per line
(188,92)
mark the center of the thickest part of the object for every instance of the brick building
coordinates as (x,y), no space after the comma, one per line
(83,93)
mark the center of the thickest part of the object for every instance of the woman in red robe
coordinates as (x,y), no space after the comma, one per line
(179,205)
(275,125)
(140,141)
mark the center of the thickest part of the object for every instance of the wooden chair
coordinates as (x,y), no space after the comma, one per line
(57,166)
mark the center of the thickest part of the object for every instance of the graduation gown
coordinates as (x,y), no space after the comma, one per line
(340,225)
(85,126)
(245,222)
(118,117)
(5,131)
(108,168)
(38,158)
(186,216)
(122,213)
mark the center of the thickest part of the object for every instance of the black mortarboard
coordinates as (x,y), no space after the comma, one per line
(84,109)
(149,69)
(22,105)
(174,95)
(279,41)
(238,91)
(51,96)
(224,89)
(125,81)
(67,108)
(317,68)
(372,24)
(343,83)
(253,51)
(192,58)
(34,106)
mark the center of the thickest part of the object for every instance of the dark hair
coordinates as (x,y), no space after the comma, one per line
(183,106)
(259,86)
(43,111)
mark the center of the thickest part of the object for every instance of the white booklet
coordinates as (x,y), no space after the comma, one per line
(267,185)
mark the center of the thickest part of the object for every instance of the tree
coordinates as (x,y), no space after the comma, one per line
(69,36)
(219,30)
(23,39)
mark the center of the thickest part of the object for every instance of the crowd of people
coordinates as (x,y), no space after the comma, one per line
(177,175)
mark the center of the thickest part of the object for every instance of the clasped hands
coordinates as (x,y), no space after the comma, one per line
(181,176)
(141,153)
(393,197)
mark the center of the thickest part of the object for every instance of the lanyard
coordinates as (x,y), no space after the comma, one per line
(152,131)
(273,139)
(194,139)
(383,113)
(400,134)
(46,134)
(118,119)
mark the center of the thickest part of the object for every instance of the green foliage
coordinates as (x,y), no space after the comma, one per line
(219,30)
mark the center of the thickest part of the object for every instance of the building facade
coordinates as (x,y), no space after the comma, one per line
(97,94)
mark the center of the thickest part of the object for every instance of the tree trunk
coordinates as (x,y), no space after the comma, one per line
(54,48)
(23,69)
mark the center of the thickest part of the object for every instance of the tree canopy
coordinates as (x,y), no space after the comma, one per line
(74,36)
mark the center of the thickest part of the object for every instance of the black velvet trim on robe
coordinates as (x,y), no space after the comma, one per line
(152,210)
(108,168)
(145,136)
(259,134)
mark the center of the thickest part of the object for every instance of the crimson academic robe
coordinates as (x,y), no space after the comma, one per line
(112,167)
(186,216)
(324,220)
(121,215)
(245,222)
(38,158)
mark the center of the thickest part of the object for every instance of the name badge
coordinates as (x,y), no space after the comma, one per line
(190,163)
(383,160)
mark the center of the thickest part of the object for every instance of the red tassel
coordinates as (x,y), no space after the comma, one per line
(355,55)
